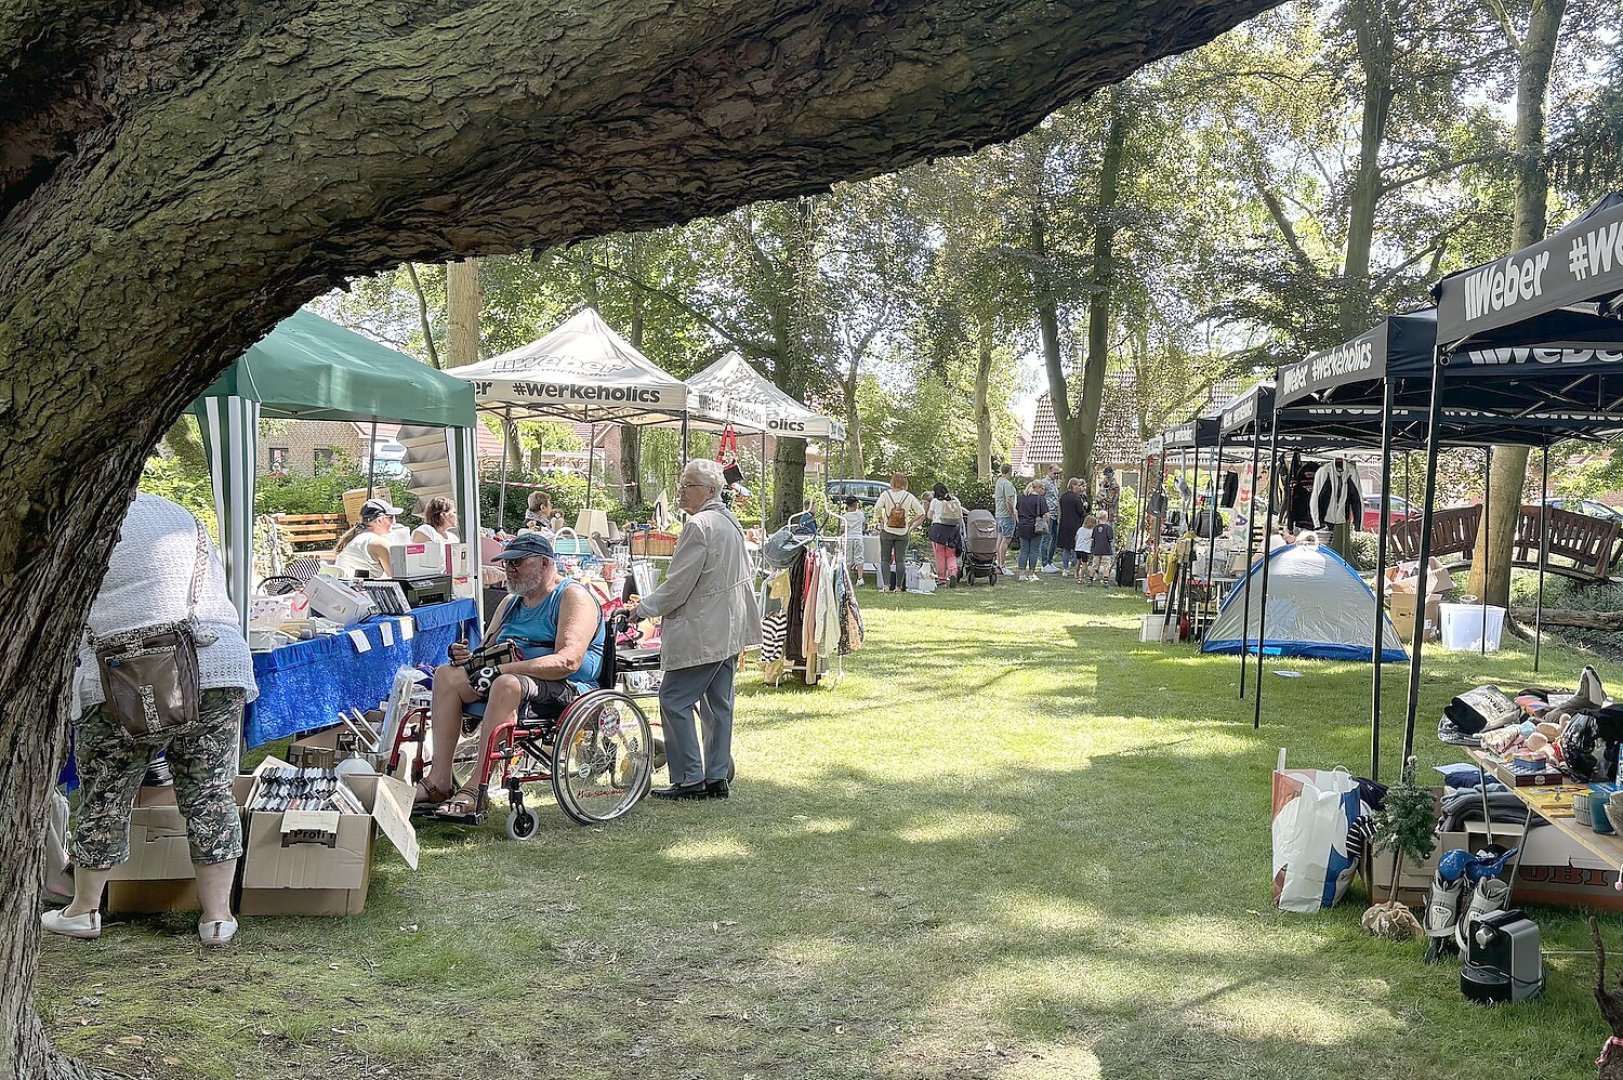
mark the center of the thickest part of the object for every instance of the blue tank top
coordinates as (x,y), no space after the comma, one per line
(535,630)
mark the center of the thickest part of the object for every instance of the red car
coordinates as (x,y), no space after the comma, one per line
(1398,511)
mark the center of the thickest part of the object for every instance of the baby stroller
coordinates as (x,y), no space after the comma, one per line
(980,548)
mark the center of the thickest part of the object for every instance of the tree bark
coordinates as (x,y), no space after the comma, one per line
(1490,562)
(1101,291)
(179,176)
(1059,391)
(983,410)
(631,434)
(464,301)
(422,318)
(856,467)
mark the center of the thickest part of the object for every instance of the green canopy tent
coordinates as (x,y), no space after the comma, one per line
(311,369)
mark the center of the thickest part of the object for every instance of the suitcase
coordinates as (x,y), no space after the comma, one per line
(1127,568)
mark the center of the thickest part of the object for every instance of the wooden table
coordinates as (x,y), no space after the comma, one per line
(1607,847)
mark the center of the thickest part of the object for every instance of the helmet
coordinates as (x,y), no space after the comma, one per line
(1451,867)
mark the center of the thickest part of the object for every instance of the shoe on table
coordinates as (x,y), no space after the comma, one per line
(216,933)
(695,790)
(87,926)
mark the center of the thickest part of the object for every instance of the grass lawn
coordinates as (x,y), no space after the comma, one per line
(1011,842)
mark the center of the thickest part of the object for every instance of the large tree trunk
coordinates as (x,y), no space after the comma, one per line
(1374,36)
(631,434)
(178,177)
(1100,293)
(1059,391)
(463,302)
(983,410)
(1490,563)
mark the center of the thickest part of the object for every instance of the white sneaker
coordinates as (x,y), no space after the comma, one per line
(217,933)
(1052,569)
(86,926)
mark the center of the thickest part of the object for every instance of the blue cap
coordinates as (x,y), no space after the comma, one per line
(523,546)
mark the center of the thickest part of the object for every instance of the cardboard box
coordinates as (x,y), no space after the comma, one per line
(159,876)
(336,601)
(320,862)
(1554,868)
(417,559)
(1401,606)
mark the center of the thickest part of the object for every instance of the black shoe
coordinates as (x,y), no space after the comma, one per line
(715,789)
(695,790)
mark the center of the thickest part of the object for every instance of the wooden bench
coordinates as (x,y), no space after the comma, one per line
(1589,549)
(1593,545)
(1453,532)
(310,530)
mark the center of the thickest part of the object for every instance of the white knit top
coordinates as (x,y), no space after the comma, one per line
(148,580)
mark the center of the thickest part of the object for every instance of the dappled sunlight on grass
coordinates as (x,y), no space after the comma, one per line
(1011,842)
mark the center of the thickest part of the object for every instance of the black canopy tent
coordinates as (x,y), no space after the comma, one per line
(1565,387)
(1539,327)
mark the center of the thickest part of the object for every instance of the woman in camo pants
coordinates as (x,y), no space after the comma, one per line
(149,581)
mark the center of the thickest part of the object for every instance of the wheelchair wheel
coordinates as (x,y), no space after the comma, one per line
(521,823)
(603,758)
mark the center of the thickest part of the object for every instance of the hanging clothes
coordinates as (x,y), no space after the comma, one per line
(827,631)
(1337,499)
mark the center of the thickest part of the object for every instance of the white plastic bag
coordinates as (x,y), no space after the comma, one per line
(1313,811)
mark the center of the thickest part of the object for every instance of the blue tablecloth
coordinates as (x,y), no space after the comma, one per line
(305,685)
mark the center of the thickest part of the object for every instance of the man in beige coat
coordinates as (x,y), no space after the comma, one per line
(707,604)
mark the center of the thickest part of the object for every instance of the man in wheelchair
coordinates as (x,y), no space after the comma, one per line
(542,650)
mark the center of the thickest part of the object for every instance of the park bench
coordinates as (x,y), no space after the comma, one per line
(306,531)
(1581,547)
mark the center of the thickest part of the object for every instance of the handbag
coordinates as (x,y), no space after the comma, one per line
(571,544)
(149,676)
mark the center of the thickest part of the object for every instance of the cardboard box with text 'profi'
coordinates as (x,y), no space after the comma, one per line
(159,876)
(320,862)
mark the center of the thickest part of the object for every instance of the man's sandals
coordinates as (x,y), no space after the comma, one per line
(459,805)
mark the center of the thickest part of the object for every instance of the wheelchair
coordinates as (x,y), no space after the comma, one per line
(599,754)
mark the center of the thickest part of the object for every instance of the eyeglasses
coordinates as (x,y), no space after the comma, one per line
(684,485)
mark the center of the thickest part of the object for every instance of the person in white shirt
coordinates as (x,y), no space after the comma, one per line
(1084,547)
(365,548)
(439,523)
(946,524)
(856,523)
(164,570)
(898,511)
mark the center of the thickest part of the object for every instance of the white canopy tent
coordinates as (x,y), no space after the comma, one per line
(749,401)
(741,394)
(581,371)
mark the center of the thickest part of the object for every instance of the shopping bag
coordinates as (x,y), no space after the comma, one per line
(1312,814)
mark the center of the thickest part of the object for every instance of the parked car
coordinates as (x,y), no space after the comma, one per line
(1398,510)
(1588,506)
(866,492)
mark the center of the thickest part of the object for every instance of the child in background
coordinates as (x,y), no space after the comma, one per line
(1084,547)
(1104,550)
(855,523)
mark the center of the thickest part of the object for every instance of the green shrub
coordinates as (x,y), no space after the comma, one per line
(170,479)
(290,493)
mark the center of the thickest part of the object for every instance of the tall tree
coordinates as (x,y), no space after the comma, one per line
(1534,43)
(225,162)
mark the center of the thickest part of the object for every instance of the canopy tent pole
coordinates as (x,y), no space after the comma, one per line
(372,460)
(1433,420)
(684,438)
(1383,505)
(230,430)
(461,447)
(1543,556)
(501,496)
(764,472)
(1250,547)
(1211,540)
(1487,548)
(591,452)
(1267,561)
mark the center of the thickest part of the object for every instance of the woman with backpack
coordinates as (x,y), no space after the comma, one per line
(896,512)
(946,533)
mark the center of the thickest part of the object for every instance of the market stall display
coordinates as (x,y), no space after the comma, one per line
(311,369)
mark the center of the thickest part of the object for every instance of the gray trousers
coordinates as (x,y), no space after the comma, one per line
(709,689)
(892,548)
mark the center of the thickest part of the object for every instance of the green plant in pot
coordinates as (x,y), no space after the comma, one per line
(1406,825)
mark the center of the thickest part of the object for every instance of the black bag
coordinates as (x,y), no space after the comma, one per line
(149,676)
(1475,711)
(1127,568)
